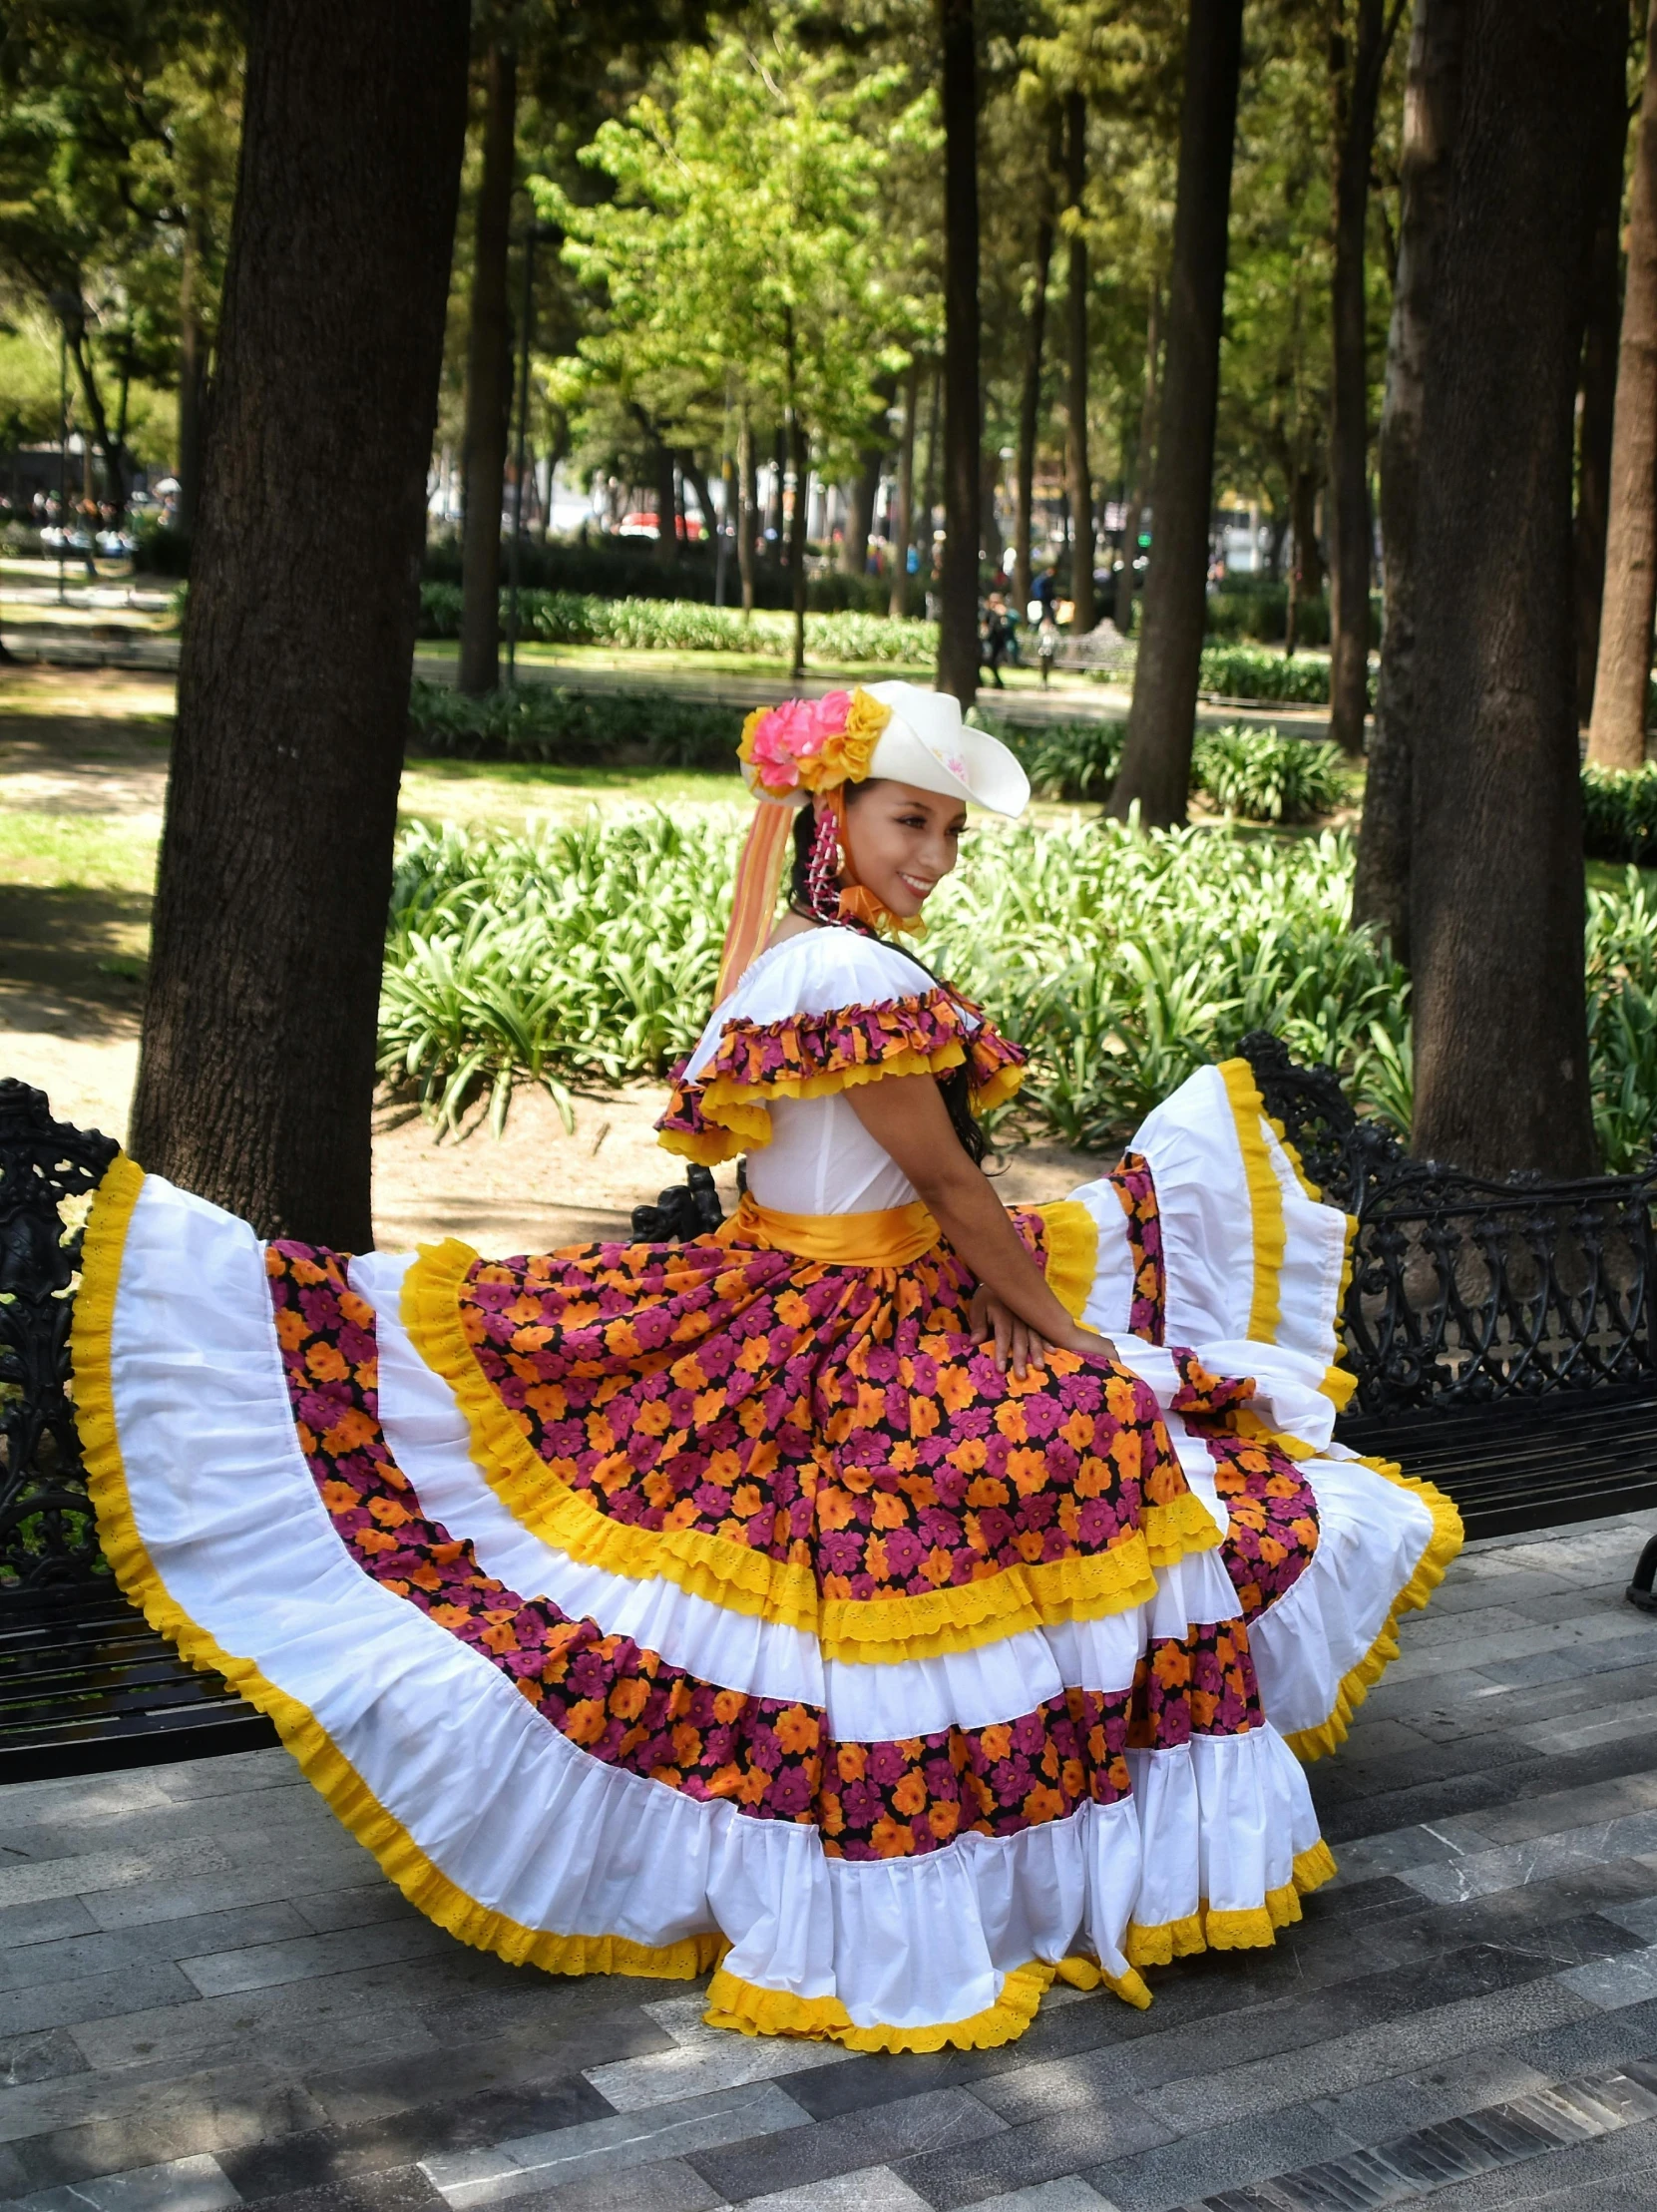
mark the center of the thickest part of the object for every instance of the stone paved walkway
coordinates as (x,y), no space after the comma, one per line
(208,1996)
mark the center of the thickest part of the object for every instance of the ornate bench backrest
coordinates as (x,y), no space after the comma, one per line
(1467,1292)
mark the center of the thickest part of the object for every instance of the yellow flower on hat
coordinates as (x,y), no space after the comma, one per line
(811,744)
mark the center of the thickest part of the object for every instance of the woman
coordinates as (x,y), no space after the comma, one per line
(831,1601)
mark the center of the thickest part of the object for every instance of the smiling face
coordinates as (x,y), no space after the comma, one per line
(902,842)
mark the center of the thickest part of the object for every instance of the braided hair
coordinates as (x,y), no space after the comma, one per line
(954,1085)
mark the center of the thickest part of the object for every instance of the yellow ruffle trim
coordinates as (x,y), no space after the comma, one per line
(1269,1233)
(323,1764)
(1072,1253)
(1249,1929)
(707,1148)
(751,2010)
(1442,1547)
(862,1631)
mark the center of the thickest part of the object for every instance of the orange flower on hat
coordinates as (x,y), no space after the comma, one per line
(811,744)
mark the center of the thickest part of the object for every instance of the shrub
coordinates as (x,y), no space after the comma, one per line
(1267,777)
(158,548)
(627,568)
(687,625)
(1619,813)
(545,722)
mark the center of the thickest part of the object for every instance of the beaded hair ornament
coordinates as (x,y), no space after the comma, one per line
(792,754)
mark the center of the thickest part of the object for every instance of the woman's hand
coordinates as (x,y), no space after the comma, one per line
(1019,1345)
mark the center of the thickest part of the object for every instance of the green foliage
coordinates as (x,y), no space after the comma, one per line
(1267,777)
(687,626)
(1252,672)
(1619,813)
(544,721)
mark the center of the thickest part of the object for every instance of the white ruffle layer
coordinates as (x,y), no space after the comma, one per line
(530,1827)
(1372,1534)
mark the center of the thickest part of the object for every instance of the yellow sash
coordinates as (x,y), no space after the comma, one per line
(891,1236)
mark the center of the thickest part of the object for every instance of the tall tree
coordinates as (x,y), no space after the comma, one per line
(1497,891)
(1156,759)
(903,517)
(1597,414)
(256,1074)
(1616,735)
(1433,90)
(957,661)
(1029,390)
(1144,454)
(1361,37)
(488,379)
(1076,438)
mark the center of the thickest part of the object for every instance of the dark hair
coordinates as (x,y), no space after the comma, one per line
(953,1087)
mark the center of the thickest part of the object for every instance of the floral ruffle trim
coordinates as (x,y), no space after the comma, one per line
(810,1056)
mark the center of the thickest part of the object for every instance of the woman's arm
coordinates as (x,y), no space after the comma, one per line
(907,1119)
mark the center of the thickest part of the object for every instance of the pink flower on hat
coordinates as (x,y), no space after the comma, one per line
(812,744)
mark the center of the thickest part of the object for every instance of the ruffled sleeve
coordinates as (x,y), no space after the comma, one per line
(851,1021)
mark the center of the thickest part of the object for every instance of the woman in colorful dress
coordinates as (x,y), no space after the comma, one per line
(890,1601)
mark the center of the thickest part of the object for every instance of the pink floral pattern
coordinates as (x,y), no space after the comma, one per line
(1137,1189)
(1201,1685)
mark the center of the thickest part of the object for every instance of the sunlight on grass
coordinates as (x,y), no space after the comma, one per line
(88,852)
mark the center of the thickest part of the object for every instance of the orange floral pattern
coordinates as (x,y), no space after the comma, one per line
(1274,1519)
(813,1054)
(1199,1684)
(834,1418)
(1136,1191)
(625,1705)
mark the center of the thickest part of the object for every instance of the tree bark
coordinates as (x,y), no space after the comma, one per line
(963,415)
(666,492)
(747,508)
(1356,68)
(1616,734)
(109,447)
(1156,759)
(488,383)
(1599,398)
(1496,887)
(1075,440)
(903,522)
(799,444)
(1380,887)
(928,483)
(193,372)
(1030,392)
(1133,519)
(865,489)
(257,1077)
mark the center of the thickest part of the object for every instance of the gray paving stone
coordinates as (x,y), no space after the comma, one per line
(1048,2149)
(873,2189)
(667,2186)
(94,1996)
(180,2185)
(1613,1983)
(1638,1915)
(515,2167)
(357,1907)
(1461,2083)
(1171,2174)
(73,1958)
(264,1965)
(1611,2174)
(1554,1811)
(48,1919)
(43,2057)
(1071,2194)
(163,1820)
(162,2130)
(236,1773)
(27,1882)
(1479,1872)
(934,2120)
(235,1887)
(700,2059)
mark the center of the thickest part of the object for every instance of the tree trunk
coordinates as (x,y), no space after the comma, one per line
(747,508)
(865,490)
(692,472)
(1354,73)
(929,485)
(257,1078)
(1380,887)
(1495,883)
(1076,327)
(114,473)
(1156,759)
(1029,394)
(799,444)
(963,415)
(193,372)
(1133,521)
(1616,735)
(902,523)
(488,384)
(1600,398)
(666,493)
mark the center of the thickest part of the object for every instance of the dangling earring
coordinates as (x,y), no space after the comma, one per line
(822,877)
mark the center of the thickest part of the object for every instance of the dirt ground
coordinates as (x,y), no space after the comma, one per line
(83,780)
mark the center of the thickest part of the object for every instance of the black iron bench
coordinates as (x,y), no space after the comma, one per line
(1500,1334)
